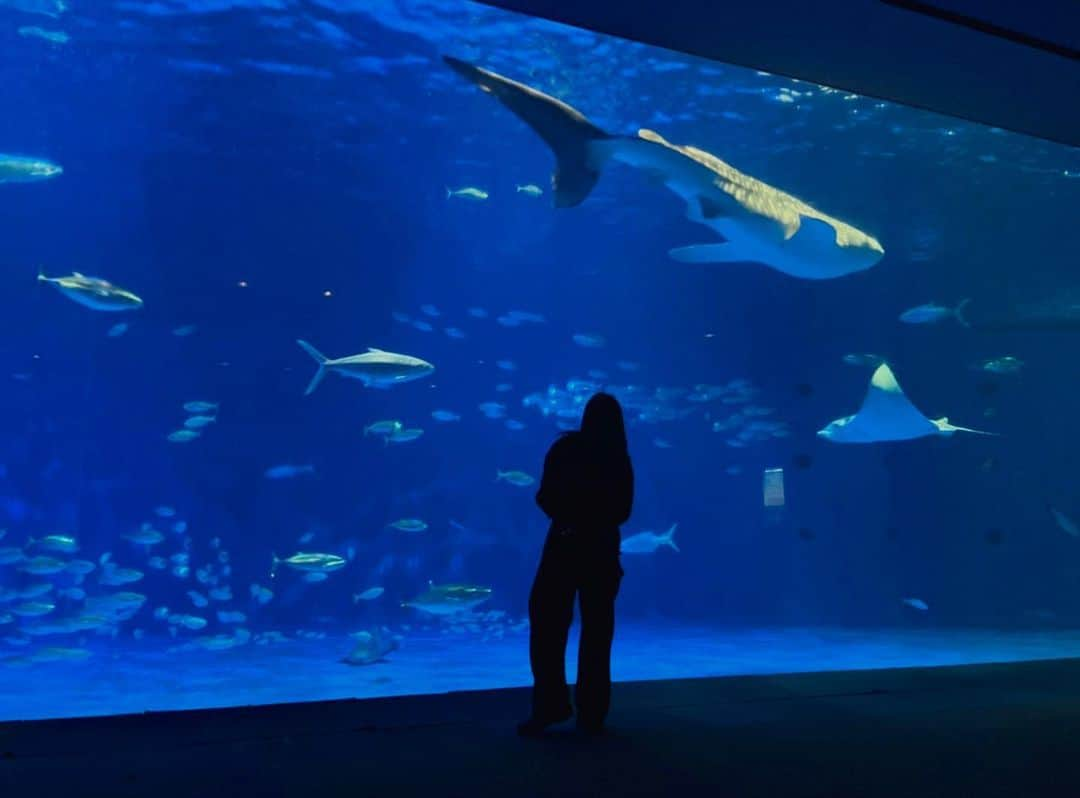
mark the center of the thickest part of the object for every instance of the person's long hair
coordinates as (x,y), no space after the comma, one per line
(602,423)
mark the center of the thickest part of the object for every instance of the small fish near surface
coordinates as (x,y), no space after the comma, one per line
(311,562)
(117,576)
(80,567)
(468,192)
(932,313)
(409,525)
(517,478)
(529,190)
(35,591)
(199,422)
(404,435)
(183,436)
(375,368)
(65,544)
(383,428)
(1001,365)
(370,594)
(145,535)
(916,604)
(757,222)
(288,471)
(33,609)
(200,406)
(42,566)
(589,340)
(93,292)
(20,169)
(493,410)
(649,542)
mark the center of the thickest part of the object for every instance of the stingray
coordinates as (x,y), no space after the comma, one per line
(756,222)
(888,415)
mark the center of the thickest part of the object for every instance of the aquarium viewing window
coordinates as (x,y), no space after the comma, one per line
(294,309)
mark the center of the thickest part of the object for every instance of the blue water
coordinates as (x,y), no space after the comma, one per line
(261,172)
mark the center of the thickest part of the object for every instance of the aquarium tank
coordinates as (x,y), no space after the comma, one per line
(293,308)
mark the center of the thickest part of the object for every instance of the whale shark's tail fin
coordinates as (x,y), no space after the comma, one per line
(564,128)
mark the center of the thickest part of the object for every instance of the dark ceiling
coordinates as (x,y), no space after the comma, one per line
(1006,63)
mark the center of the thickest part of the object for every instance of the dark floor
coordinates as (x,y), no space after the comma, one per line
(980,731)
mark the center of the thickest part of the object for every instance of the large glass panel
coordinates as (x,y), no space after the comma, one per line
(193,517)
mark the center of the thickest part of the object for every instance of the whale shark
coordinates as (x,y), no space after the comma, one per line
(756,222)
(888,415)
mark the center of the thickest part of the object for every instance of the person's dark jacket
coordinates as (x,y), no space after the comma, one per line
(586,488)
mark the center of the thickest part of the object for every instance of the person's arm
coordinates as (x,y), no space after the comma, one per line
(549,496)
(624,503)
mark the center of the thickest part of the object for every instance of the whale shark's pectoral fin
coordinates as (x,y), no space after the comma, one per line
(709,253)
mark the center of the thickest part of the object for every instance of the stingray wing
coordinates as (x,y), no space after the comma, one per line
(887,414)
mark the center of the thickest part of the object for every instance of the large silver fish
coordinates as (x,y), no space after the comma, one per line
(93,292)
(375,368)
(20,169)
(757,222)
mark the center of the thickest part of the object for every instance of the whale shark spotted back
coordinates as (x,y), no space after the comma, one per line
(757,222)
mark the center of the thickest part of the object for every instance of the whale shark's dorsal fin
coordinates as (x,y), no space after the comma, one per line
(375,351)
(565,129)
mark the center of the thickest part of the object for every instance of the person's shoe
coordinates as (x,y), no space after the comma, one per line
(534,726)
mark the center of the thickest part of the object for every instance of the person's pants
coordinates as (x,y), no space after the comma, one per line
(566,570)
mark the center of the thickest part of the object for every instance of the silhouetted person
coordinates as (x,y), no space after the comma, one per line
(587,491)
